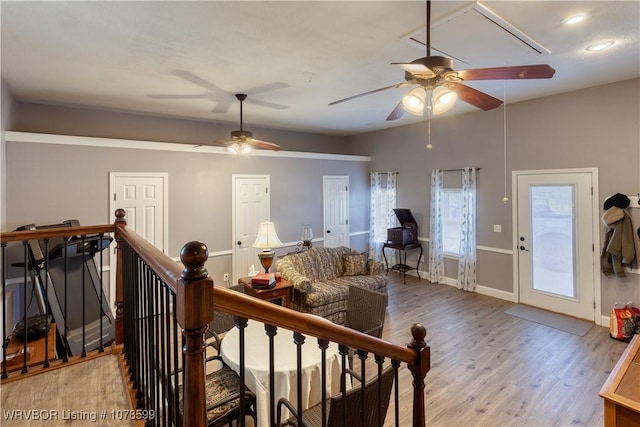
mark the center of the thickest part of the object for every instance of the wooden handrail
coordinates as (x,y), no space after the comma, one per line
(243,305)
(19,236)
(167,269)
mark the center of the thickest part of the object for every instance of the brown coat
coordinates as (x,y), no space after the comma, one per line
(618,250)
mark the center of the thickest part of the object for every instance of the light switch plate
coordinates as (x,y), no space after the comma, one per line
(497,228)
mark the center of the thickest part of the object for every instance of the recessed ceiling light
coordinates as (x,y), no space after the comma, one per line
(600,46)
(574,19)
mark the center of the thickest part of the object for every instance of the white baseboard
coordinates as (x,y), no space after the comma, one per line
(604,321)
(496,293)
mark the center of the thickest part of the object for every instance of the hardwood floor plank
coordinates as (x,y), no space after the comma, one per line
(492,369)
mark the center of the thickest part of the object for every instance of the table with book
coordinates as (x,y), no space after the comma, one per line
(265,287)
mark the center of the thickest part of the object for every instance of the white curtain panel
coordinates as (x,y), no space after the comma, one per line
(391,216)
(467,256)
(436,255)
(375,247)
(383,201)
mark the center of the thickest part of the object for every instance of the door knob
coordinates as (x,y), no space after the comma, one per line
(239,243)
(521,239)
(328,231)
(522,248)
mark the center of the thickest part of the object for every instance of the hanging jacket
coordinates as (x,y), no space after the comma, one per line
(618,250)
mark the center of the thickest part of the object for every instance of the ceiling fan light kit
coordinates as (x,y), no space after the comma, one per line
(242,141)
(414,101)
(439,85)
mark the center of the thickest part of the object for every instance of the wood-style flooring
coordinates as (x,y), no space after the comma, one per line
(492,369)
(487,368)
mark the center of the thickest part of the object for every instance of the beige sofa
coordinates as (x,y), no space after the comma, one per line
(321,278)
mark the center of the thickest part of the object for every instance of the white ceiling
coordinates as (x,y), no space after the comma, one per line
(188,59)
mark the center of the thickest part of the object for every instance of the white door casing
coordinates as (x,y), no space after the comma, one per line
(335,190)
(556,264)
(144,197)
(251,205)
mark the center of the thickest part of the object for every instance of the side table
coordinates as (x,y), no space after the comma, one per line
(281,291)
(402,267)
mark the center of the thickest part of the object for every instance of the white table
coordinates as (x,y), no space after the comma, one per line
(285,367)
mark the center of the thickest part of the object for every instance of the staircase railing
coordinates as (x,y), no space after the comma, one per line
(161,306)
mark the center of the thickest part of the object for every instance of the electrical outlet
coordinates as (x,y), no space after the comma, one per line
(226,277)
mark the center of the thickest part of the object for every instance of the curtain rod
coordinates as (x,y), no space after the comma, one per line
(458,169)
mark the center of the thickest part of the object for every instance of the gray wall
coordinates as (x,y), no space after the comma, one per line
(597,127)
(41,118)
(6,113)
(50,183)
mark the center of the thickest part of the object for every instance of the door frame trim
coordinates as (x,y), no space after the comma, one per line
(111,220)
(595,208)
(234,178)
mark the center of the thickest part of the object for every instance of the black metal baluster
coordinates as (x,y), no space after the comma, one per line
(84,351)
(46,363)
(65,357)
(176,403)
(5,340)
(156,342)
(343,350)
(163,357)
(379,362)
(396,365)
(100,249)
(362,355)
(298,340)
(25,369)
(324,344)
(241,324)
(272,331)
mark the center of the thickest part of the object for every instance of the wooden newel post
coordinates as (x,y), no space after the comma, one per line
(119,224)
(419,370)
(194,312)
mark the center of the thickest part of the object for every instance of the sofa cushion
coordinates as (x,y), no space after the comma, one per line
(354,264)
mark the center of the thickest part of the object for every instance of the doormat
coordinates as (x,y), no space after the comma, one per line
(553,320)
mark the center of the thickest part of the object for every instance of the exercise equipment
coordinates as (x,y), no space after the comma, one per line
(62,269)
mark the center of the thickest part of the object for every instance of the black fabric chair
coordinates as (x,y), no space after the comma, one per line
(346,411)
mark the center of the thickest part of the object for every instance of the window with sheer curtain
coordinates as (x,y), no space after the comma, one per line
(451,214)
(383,201)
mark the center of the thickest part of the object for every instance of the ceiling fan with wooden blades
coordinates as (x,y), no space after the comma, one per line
(438,84)
(242,141)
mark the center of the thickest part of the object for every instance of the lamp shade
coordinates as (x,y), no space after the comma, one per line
(267,237)
(443,99)
(413,102)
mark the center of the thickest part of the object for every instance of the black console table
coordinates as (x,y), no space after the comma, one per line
(402,267)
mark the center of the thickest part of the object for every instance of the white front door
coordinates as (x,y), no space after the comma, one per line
(556,231)
(144,198)
(336,211)
(250,207)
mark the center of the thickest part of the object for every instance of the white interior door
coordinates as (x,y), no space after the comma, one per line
(336,210)
(144,198)
(250,207)
(556,241)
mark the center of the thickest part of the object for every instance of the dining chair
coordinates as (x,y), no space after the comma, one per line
(366,311)
(346,409)
(222,386)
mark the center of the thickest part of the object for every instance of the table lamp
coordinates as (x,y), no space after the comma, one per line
(267,239)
